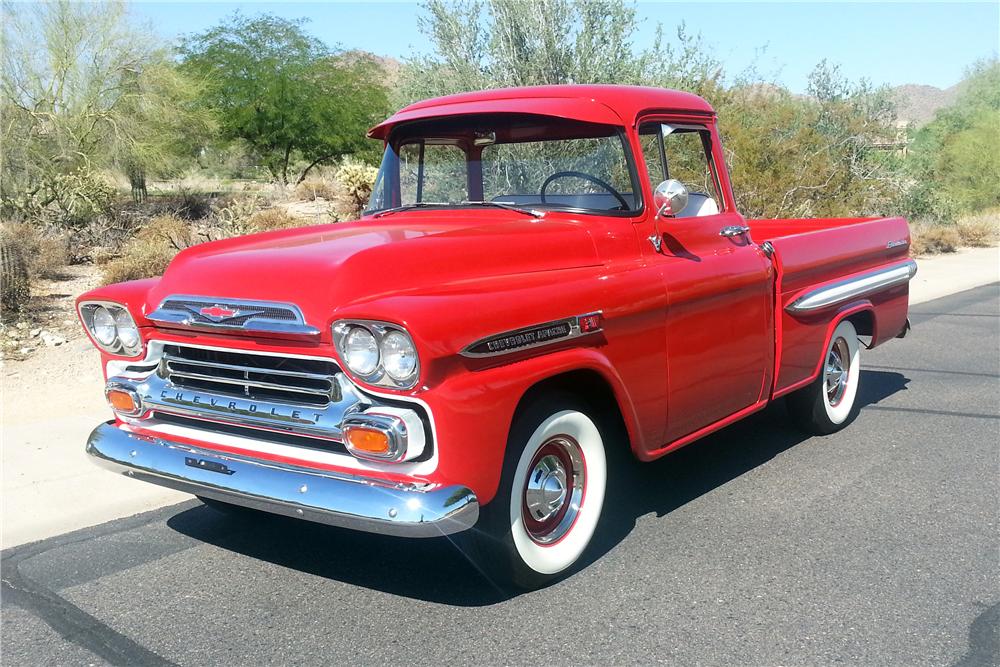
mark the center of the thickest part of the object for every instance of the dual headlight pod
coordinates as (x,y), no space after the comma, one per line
(377,352)
(112,327)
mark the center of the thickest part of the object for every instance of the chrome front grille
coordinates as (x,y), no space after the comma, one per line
(306,382)
(241,312)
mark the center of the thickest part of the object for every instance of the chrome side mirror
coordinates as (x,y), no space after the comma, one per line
(670,198)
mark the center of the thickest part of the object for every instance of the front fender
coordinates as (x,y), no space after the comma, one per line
(474,411)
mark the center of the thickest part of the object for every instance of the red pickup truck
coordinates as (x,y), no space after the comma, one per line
(543,275)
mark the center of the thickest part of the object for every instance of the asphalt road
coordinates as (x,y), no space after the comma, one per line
(757,546)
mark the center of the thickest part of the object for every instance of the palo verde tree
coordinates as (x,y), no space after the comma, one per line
(501,43)
(295,102)
(84,90)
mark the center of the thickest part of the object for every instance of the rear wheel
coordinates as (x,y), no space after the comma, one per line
(550,497)
(828,403)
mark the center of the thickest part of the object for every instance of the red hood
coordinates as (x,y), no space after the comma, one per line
(332,266)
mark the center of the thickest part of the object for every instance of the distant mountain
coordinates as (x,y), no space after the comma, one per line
(916,104)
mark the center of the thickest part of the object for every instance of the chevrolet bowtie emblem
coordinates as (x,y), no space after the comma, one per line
(218,312)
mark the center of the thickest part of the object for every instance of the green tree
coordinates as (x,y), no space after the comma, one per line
(789,155)
(816,155)
(290,98)
(83,89)
(502,43)
(954,160)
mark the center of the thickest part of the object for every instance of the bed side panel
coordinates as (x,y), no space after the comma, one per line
(811,259)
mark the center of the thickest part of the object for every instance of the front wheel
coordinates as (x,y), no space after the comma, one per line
(550,497)
(828,404)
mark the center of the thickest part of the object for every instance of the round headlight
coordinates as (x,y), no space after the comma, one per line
(361,351)
(399,357)
(128,333)
(104,326)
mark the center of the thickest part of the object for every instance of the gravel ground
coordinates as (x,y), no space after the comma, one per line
(756,546)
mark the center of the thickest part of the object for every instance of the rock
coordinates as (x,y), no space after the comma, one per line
(26,350)
(21,325)
(52,340)
(35,332)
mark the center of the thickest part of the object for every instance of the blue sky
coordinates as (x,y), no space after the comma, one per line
(893,43)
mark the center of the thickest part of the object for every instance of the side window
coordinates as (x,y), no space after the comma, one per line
(432,173)
(684,153)
(689,159)
(651,141)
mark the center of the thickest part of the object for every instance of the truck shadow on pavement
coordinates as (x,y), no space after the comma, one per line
(436,570)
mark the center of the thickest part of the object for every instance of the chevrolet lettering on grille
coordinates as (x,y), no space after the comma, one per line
(240,407)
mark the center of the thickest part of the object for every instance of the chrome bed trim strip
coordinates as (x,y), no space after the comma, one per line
(852,288)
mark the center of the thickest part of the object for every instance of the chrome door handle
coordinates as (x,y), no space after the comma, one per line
(734,230)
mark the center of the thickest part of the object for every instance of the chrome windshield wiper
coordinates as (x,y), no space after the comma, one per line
(535,213)
(406,207)
(442,204)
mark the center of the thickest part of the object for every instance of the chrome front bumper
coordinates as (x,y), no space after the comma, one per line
(351,501)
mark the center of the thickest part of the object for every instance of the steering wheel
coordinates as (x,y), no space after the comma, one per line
(587,177)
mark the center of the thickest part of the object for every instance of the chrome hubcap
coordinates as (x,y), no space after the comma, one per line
(546,491)
(837,371)
(553,492)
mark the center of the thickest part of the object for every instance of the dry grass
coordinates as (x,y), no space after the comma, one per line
(51,257)
(168,230)
(46,255)
(140,259)
(980,230)
(151,251)
(930,239)
(274,218)
(314,188)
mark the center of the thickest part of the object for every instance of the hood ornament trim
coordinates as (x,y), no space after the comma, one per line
(271,318)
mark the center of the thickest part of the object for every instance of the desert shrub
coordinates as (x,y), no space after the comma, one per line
(930,239)
(51,257)
(45,255)
(168,230)
(980,230)
(140,259)
(192,205)
(274,218)
(14,278)
(317,188)
(231,216)
(356,179)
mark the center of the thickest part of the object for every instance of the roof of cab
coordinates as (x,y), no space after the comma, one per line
(618,105)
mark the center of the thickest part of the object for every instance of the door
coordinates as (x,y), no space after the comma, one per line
(718,283)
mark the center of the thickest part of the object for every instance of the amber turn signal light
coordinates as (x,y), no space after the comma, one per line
(123,401)
(369,441)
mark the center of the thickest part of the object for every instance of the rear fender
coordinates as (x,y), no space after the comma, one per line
(845,312)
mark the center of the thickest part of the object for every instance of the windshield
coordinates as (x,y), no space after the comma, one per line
(531,162)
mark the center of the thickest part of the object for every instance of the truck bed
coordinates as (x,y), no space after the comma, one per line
(863,258)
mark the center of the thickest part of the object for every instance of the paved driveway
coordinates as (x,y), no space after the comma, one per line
(878,545)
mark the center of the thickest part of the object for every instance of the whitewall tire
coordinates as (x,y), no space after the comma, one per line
(550,546)
(829,403)
(550,498)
